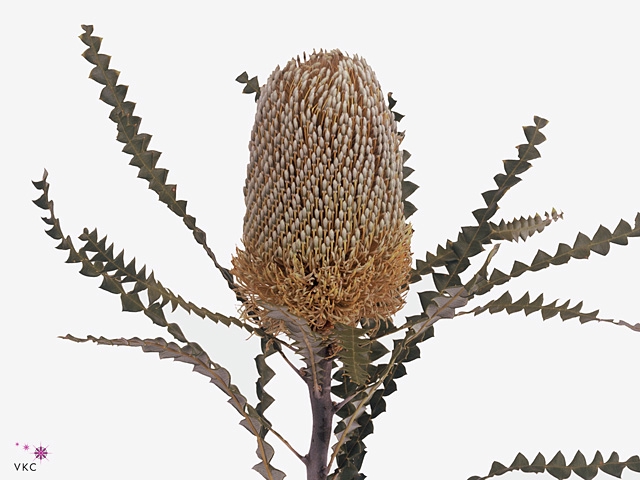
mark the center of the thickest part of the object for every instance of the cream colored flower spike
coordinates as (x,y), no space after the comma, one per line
(324,230)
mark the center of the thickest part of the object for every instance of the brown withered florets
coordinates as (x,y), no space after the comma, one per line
(324,230)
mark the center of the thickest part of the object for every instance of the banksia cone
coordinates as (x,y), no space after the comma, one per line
(324,230)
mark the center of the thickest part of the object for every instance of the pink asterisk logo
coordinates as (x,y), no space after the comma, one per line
(41,453)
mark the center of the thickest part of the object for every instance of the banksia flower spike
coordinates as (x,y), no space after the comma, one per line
(324,231)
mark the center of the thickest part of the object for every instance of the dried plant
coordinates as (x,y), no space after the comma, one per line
(326,261)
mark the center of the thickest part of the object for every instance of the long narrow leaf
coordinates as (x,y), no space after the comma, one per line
(219,376)
(136,143)
(557,467)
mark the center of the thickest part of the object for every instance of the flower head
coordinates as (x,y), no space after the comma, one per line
(324,230)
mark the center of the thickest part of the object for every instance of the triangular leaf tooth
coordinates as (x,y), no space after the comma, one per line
(549,311)
(534,135)
(95,58)
(480,214)
(125,134)
(119,114)
(113,96)
(390,386)
(440,280)
(138,143)
(408,188)
(399,371)
(55,232)
(540,261)
(601,241)
(405,156)
(580,467)
(242,78)
(528,152)
(566,313)
(406,171)
(464,251)
(519,462)
(540,122)
(577,307)
(506,181)
(497,469)
(534,306)
(563,255)
(147,159)
(74,257)
(42,184)
(65,244)
(104,77)
(155,313)
(86,36)
(91,238)
(537,466)
(633,463)
(409,209)
(253,425)
(391,100)
(501,303)
(519,304)
(50,220)
(377,403)
(111,285)
(422,267)
(197,310)
(107,257)
(498,277)
(491,196)
(413,353)
(252,85)
(460,247)
(620,233)
(99,257)
(557,467)
(174,329)
(89,269)
(469,233)
(587,317)
(613,466)
(518,269)
(145,172)
(42,201)
(581,246)
(597,459)
(515,167)
(265,371)
(153,292)
(131,268)
(131,302)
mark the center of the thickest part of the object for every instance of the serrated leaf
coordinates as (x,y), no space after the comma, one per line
(307,343)
(137,143)
(354,353)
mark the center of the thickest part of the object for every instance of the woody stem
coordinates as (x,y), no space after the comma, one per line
(322,412)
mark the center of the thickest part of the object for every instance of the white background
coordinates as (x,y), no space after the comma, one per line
(467,76)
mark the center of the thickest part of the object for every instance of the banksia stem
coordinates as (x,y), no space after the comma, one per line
(324,230)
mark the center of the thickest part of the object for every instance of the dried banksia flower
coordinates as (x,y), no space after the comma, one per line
(324,230)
